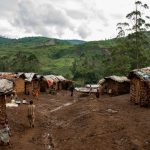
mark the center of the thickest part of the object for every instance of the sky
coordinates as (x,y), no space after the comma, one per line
(64,19)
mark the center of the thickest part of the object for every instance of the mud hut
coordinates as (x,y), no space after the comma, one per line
(55,81)
(102,86)
(6,87)
(17,79)
(46,83)
(63,83)
(140,86)
(31,82)
(49,82)
(19,84)
(117,85)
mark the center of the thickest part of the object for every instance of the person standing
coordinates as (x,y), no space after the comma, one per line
(97,93)
(36,93)
(72,90)
(90,90)
(5,135)
(31,114)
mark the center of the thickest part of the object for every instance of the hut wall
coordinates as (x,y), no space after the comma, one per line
(135,85)
(117,88)
(28,88)
(55,85)
(66,85)
(3,115)
(103,88)
(43,86)
(113,86)
(20,85)
(123,88)
(144,93)
(140,92)
(60,85)
(36,84)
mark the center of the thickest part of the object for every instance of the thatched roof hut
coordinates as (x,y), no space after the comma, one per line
(140,86)
(31,82)
(45,83)
(55,81)
(17,79)
(58,82)
(102,86)
(6,87)
(116,85)
(63,83)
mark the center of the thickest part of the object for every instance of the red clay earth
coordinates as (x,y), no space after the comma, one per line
(110,123)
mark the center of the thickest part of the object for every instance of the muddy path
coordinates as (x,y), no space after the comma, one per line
(66,123)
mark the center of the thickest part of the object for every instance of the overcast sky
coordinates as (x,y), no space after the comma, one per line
(65,19)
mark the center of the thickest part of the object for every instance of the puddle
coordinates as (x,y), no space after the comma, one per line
(60,107)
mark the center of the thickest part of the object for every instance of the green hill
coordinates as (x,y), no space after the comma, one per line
(55,56)
(85,61)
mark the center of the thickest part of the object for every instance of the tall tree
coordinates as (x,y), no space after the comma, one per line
(136,41)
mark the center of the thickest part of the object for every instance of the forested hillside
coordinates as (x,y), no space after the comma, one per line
(82,61)
(45,55)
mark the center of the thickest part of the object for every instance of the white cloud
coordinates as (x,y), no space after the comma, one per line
(67,19)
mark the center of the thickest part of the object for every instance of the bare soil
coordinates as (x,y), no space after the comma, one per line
(66,123)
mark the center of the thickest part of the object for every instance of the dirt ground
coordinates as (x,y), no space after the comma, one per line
(87,123)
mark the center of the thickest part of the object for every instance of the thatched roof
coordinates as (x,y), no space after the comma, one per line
(7,75)
(101,81)
(143,73)
(120,79)
(6,86)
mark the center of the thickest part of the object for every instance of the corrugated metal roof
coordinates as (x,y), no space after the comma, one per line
(54,78)
(29,76)
(5,86)
(20,73)
(61,78)
(47,77)
(118,78)
(39,76)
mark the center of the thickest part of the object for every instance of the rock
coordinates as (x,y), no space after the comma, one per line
(111,111)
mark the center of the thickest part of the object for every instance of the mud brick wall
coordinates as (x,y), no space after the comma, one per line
(117,87)
(140,92)
(20,85)
(135,90)
(36,84)
(28,88)
(144,94)
(60,85)
(43,86)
